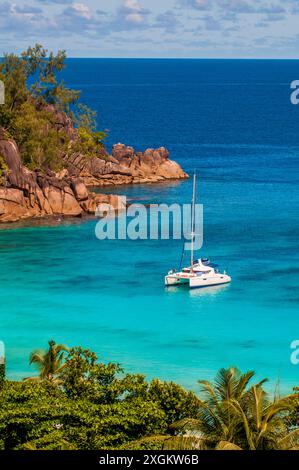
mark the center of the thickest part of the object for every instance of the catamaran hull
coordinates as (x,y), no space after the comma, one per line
(196,282)
(175,281)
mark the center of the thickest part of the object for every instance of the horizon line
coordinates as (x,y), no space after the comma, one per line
(184,58)
(179,58)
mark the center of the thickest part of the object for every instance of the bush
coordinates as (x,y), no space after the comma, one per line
(26,114)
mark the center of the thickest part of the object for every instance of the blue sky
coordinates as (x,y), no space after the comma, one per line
(153,28)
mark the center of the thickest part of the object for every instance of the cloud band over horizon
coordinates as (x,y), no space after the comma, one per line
(153,28)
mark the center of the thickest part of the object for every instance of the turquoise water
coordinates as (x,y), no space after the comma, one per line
(58,281)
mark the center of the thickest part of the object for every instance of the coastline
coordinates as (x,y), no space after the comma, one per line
(29,194)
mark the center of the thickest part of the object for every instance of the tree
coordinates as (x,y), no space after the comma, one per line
(177,402)
(36,103)
(90,140)
(45,67)
(50,362)
(40,68)
(40,415)
(83,376)
(76,373)
(41,145)
(264,421)
(13,74)
(232,415)
(218,422)
(97,406)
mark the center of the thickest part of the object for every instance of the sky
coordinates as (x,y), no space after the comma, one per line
(153,28)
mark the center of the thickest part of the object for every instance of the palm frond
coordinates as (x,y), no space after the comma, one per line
(50,362)
(225,382)
(32,379)
(37,357)
(225,445)
(184,443)
(242,383)
(189,424)
(290,441)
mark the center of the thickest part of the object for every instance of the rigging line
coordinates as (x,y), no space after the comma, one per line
(193,221)
(182,257)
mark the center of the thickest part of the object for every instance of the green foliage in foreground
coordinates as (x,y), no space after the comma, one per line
(84,404)
(77,402)
(33,95)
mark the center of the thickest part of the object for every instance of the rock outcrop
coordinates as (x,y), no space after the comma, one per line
(25,193)
(35,194)
(123,166)
(126,166)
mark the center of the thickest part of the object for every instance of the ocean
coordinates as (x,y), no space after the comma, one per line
(232,122)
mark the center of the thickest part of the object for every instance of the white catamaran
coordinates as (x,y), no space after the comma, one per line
(200,273)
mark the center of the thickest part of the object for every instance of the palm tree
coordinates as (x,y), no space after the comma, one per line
(218,423)
(236,416)
(264,421)
(50,362)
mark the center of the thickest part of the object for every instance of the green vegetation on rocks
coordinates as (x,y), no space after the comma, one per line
(3,169)
(33,97)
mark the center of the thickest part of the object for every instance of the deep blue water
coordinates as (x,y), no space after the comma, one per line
(232,122)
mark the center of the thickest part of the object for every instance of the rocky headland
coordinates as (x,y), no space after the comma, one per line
(51,150)
(28,193)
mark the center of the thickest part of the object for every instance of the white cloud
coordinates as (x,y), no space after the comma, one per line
(22,19)
(132,5)
(82,10)
(25,9)
(236,6)
(131,14)
(135,17)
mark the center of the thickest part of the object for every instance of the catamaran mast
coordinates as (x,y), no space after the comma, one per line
(193,222)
